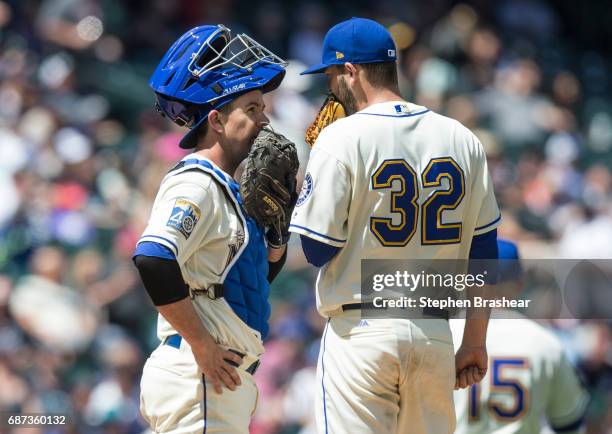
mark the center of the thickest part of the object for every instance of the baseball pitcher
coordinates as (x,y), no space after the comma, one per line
(391,180)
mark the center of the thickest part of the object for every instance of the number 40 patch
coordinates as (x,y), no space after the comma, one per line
(184,216)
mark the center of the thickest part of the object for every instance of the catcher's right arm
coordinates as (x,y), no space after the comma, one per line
(331,110)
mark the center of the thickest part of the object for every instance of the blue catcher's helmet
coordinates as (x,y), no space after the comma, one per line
(207,68)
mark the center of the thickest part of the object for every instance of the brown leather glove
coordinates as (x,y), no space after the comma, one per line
(330,111)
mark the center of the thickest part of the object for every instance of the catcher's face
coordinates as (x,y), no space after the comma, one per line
(243,123)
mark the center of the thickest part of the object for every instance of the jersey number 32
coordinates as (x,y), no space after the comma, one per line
(404,202)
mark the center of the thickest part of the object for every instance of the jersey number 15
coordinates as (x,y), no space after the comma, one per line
(405,202)
(516,394)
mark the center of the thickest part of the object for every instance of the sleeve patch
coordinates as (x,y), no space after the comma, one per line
(184,216)
(306,190)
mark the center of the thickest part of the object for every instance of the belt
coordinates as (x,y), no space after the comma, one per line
(429,311)
(175,341)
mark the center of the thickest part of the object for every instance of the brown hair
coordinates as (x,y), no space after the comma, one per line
(381,74)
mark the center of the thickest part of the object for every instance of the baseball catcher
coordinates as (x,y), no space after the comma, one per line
(210,287)
(268,184)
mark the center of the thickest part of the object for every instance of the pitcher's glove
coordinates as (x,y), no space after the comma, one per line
(330,111)
(268,184)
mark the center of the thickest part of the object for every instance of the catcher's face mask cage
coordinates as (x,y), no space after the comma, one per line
(241,52)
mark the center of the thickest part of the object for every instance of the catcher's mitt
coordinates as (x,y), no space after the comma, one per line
(268,184)
(330,111)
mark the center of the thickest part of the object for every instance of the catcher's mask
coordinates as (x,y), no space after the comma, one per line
(207,68)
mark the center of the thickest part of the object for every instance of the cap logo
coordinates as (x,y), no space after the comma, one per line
(391,53)
(339,55)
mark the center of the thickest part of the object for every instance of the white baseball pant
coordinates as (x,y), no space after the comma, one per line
(176,399)
(385,376)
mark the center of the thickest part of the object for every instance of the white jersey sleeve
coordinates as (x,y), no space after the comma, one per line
(489,216)
(182,214)
(568,399)
(321,212)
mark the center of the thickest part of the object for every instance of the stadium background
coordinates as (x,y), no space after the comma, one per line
(82,152)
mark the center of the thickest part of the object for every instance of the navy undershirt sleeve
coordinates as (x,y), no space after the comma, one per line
(162,279)
(160,273)
(483,247)
(316,252)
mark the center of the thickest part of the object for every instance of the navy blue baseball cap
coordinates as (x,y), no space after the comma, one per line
(357,40)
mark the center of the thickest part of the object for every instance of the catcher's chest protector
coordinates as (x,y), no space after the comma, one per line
(246,287)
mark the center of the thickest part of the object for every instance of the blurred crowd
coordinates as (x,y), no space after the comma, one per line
(82,152)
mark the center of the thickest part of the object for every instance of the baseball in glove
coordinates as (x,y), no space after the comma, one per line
(331,110)
(268,184)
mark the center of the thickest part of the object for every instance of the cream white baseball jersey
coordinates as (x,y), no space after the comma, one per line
(194,218)
(529,379)
(393,181)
